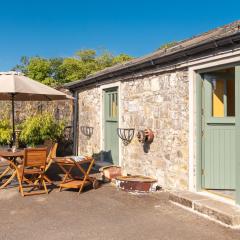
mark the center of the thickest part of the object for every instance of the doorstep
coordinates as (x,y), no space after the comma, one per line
(217,210)
(99,164)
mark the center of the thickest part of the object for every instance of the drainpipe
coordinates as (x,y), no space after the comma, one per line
(75,123)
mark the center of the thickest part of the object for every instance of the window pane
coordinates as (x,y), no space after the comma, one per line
(113,106)
(218,98)
(230,97)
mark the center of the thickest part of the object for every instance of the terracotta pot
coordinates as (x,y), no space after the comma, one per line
(111,172)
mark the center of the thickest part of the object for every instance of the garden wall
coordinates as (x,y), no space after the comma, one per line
(62,110)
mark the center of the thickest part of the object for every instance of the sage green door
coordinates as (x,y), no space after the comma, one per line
(111,140)
(218,129)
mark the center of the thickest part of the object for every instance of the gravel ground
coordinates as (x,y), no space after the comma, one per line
(105,213)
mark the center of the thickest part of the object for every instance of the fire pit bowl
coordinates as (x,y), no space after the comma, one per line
(140,184)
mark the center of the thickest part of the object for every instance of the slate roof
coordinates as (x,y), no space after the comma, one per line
(211,36)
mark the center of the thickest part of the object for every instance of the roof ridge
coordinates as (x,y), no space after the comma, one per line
(216,33)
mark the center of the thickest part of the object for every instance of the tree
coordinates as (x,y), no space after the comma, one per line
(38,68)
(57,71)
(86,55)
(74,69)
(121,58)
(167,45)
(24,61)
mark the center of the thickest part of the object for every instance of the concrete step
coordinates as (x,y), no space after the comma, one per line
(217,210)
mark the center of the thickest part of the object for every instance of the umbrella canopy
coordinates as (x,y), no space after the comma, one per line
(17,87)
(26,89)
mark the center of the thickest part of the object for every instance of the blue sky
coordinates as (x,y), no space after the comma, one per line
(59,28)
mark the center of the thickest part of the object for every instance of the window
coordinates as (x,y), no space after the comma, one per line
(112,104)
(222,92)
(218,98)
(231,97)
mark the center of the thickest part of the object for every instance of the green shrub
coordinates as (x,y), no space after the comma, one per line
(41,127)
(5,131)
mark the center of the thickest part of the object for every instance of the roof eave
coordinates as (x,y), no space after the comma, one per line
(188,51)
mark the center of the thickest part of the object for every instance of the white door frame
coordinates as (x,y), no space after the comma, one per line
(224,59)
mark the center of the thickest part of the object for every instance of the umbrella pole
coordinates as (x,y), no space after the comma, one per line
(13,121)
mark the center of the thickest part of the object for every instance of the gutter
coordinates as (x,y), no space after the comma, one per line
(157,60)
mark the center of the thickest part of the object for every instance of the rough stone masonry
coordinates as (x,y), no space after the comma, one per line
(62,109)
(158,102)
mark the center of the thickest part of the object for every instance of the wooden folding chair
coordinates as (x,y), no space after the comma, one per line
(8,174)
(33,169)
(51,155)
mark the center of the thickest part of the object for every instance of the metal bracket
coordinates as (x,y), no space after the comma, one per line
(126,134)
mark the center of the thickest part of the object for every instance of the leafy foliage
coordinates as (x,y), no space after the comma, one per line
(22,67)
(5,131)
(57,71)
(41,127)
(167,45)
(38,69)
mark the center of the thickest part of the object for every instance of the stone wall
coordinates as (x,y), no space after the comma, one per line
(158,102)
(161,104)
(89,121)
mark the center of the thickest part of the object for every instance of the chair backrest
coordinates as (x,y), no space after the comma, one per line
(53,151)
(35,157)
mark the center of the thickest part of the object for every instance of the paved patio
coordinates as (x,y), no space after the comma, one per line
(105,213)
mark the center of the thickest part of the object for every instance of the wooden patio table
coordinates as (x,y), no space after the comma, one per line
(11,158)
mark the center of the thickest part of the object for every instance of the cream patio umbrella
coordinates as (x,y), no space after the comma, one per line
(17,87)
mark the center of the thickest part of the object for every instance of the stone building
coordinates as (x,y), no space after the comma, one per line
(188,95)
